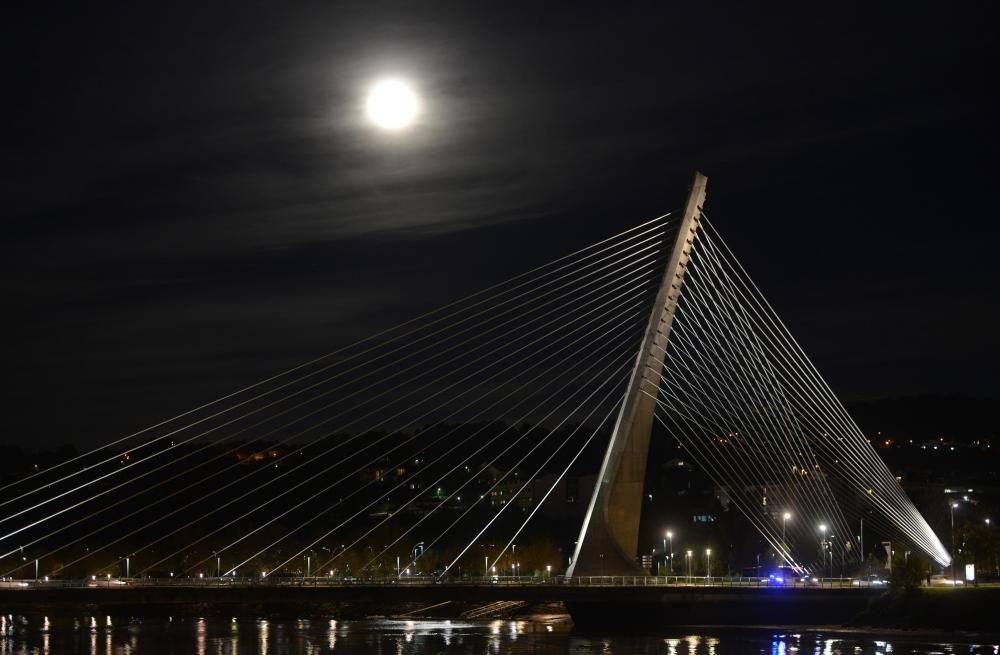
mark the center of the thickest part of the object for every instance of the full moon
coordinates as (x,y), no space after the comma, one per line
(391,104)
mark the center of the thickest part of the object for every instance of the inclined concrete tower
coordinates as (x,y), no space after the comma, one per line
(609,538)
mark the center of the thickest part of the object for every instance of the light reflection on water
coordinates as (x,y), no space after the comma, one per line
(92,635)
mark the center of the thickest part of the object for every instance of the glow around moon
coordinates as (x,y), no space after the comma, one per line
(391,104)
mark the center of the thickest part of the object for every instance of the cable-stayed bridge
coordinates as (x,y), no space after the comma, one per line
(430,450)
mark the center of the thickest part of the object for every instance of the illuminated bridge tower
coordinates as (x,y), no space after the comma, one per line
(609,538)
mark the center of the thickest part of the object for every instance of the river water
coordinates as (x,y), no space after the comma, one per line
(106,635)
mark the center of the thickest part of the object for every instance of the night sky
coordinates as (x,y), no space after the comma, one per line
(193,199)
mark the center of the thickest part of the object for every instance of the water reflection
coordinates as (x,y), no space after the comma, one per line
(123,635)
(263,628)
(199,643)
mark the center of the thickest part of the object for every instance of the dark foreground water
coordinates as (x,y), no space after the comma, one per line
(93,635)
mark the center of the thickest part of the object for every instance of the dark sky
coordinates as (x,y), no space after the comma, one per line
(193,200)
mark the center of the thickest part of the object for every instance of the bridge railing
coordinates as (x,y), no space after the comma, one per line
(720,581)
(465,580)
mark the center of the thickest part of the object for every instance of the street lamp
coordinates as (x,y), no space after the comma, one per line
(822,529)
(861,538)
(664,550)
(689,565)
(996,563)
(954,506)
(670,537)
(784,521)
(708,569)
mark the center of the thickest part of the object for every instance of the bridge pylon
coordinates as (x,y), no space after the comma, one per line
(609,537)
